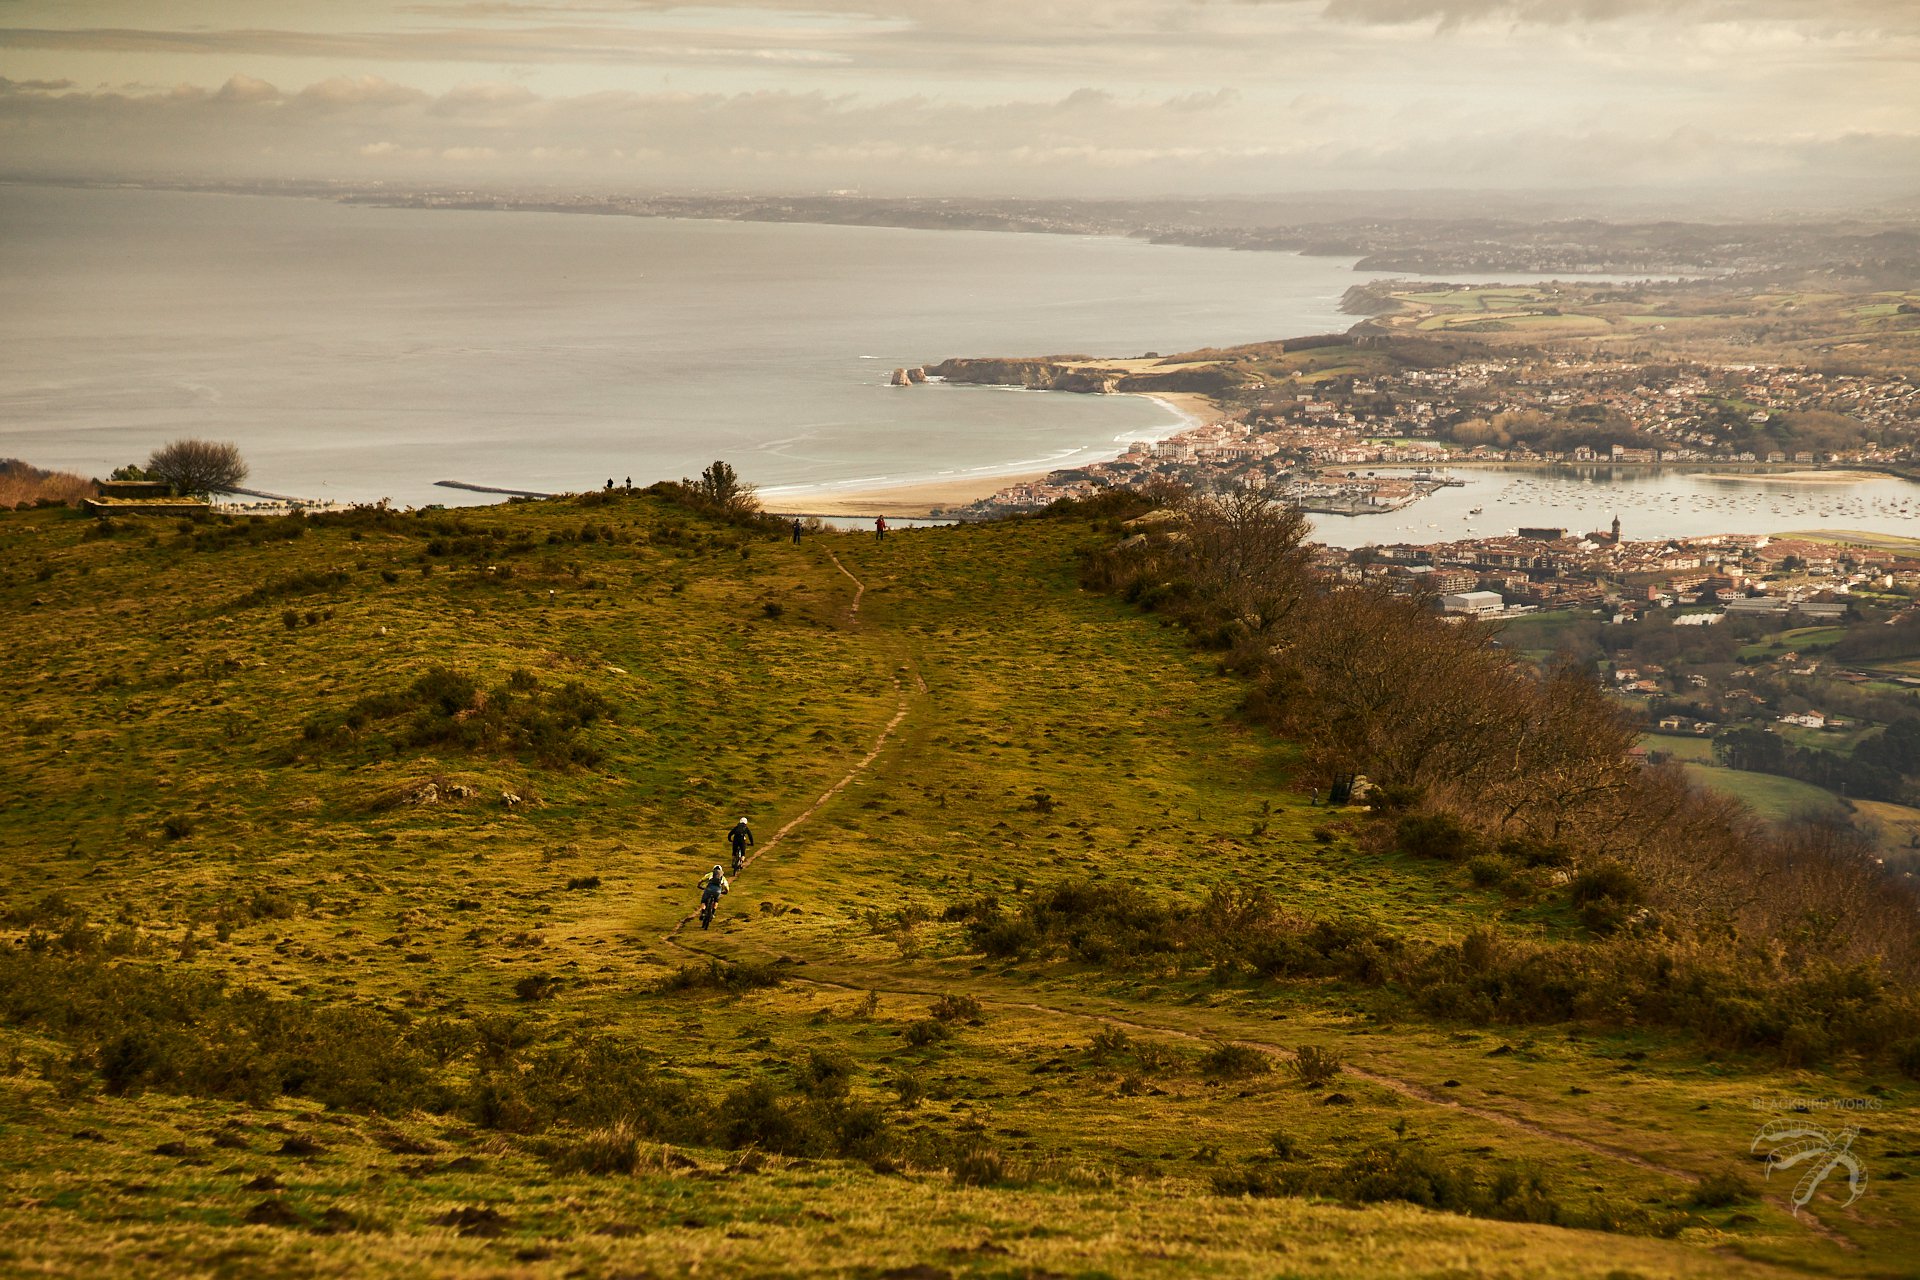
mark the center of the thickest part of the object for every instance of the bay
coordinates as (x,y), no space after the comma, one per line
(1650,501)
(357,353)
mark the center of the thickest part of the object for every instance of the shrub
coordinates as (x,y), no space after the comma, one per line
(759,1115)
(1718,1190)
(446,707)
(956,1008)
(1235,1062)
(926,1031)
(178,827)
(1487,872)
(1313,1066)
(908,1088)
(297,584)
(1606,896)
(1435,835)
(605,1150)
(744,975)
(536,986)
(1609,881)
(826,1075)
(980,1167)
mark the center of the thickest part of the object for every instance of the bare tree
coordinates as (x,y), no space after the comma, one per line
(199,466)
(1250,553)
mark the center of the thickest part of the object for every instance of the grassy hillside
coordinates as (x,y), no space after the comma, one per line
(348,867)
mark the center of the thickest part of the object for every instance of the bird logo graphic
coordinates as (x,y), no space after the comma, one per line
(1822,1151)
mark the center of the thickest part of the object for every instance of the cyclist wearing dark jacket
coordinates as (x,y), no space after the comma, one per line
(740,837)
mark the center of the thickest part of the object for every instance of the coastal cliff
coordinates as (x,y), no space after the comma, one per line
(1088,377)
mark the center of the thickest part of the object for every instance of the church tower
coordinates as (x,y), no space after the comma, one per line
(1616,531)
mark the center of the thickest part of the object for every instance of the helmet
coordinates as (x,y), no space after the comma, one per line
(743,822)
(716,868)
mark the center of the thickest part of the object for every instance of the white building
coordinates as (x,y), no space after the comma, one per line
(1476,603)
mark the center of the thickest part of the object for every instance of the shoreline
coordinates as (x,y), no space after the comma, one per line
(921,498)
(1752,472)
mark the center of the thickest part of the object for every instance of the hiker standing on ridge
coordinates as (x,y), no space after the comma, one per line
(796,531)
(879,528)
(740,837)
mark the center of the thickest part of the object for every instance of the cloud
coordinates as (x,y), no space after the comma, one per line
(1875,14)
(241,88)
(1082,142)
(359,91)
(1091,96)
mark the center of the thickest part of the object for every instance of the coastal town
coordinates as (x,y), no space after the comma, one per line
(1750,575)
(1310,434)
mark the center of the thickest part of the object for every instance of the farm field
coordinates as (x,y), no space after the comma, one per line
(1680,746)
(1796,640)
(348,869)
(1767,795)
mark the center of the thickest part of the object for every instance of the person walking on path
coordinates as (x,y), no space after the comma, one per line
(796,531)
(879,528)
(740,837)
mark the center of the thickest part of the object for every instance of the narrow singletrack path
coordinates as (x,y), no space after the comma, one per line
(859,587)
(866,761)
(1405,1088)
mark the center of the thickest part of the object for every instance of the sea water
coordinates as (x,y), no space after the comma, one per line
(357,352)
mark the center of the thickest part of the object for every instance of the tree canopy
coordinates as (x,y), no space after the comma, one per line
(199,466)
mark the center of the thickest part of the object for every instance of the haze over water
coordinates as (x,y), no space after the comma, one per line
(357,353)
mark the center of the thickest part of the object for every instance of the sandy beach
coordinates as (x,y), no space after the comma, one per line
(923,498)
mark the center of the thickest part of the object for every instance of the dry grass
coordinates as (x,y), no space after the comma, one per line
(22,485)
(329,875)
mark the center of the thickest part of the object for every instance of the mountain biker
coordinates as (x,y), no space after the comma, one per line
(712,886)
(740,837)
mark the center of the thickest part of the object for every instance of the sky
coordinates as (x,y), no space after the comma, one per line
(1733,101)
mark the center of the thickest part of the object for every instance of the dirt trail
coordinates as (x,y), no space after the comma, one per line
(859,587)
(1406,1088)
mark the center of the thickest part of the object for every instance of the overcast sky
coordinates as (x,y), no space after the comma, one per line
(1817,99)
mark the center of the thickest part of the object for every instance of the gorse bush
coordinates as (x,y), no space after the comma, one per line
(294,584)
(147,1028)
(445,707)
(956,1008)
(744,975)
(1728,993)
(137,1027)
(1410,1173)
(1314,1066)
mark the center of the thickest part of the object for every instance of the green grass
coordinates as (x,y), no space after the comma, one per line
(1047,733)
(1767,795)
(1839,741)
(1680,746)
(1801,640)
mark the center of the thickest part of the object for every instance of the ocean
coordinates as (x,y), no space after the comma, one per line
(358,353)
